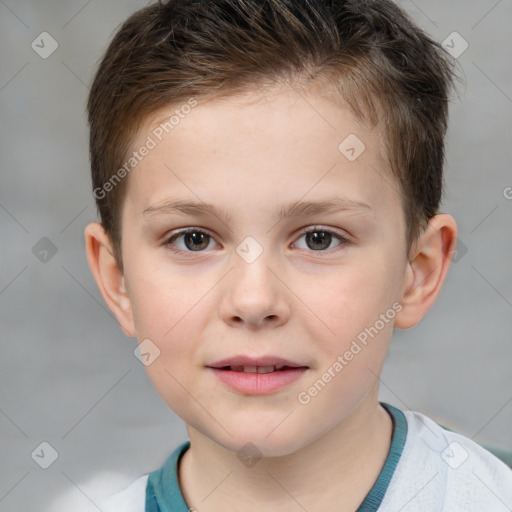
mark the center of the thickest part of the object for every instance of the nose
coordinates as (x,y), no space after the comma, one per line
(254,295)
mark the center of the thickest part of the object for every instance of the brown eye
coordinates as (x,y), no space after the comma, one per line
(194,240)
(319,239)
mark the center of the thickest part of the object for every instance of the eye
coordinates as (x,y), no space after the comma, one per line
(194,240)
(318,239)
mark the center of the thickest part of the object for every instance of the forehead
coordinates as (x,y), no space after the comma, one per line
(272,147)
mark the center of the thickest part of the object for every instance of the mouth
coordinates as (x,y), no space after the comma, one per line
(257,376)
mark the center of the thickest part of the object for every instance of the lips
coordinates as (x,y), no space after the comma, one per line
(257,376)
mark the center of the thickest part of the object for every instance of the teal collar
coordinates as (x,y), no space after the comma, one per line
(374,498)
(163,493)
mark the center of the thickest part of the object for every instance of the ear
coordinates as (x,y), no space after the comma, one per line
(425,272)
(108,276)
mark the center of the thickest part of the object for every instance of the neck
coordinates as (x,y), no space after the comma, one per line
(338,469)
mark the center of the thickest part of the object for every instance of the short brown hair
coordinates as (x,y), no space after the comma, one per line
(368,53)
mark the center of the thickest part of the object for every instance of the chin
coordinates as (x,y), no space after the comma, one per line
(255,441)
(260,447)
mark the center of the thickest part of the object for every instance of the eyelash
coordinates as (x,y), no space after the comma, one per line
(343,241)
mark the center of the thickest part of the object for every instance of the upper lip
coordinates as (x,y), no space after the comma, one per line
(242,360)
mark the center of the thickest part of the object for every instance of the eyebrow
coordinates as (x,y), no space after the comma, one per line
(293,209)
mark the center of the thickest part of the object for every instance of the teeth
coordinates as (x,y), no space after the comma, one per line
(256,369)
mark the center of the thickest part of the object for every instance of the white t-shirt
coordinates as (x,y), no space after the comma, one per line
(428,469)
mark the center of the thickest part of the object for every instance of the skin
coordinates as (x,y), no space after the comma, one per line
(251,154)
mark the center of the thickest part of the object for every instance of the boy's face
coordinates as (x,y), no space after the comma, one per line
(305,298)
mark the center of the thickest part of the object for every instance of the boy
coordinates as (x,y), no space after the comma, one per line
(230,141)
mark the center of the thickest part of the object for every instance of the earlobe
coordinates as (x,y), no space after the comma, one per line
(108,276)
(426,270)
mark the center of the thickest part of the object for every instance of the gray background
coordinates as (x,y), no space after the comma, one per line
(68,374)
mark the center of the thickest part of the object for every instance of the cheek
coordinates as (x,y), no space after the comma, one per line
(170,314)
(164,302)
(348,301)
(352,329)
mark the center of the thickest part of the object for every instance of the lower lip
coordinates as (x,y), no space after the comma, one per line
(258,383)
